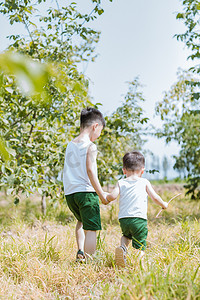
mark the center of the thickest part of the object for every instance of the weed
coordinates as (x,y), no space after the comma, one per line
(37,255)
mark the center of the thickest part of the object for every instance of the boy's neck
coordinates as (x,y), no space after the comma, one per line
(84,135)
(133,174)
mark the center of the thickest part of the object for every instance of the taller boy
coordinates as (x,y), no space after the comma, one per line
(81,185)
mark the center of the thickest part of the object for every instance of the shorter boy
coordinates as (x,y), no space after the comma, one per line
(133,191)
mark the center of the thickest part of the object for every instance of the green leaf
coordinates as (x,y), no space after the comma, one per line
(4,151)
(198,6)
(30,75)
(196,96)
(16,200)
(180,16)
(9,191)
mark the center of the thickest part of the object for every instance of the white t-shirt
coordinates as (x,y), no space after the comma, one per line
(75,177)
(133,198)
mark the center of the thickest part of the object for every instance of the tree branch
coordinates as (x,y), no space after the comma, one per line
(27,28)
(32,126)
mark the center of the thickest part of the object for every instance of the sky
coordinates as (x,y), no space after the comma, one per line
(137,39)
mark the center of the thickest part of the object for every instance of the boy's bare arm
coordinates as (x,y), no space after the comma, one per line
(155,197)
(91,167)
(113,195)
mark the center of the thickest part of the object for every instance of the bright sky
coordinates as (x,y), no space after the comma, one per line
(136,40)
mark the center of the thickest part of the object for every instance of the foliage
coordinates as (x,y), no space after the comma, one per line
(180,107)
(39,119)
(33,75)
(191,18)
(124,132)
(3,151)
(180,112)
(42,94)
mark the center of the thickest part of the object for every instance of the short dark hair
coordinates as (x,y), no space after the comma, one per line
(90,115)
(133,161)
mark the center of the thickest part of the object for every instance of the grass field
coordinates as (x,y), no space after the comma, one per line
(37,255)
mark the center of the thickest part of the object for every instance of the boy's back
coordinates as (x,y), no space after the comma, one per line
(75,177)
(133,198)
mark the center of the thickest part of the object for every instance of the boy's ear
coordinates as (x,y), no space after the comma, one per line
(142,171)
(124,171)
(95,125)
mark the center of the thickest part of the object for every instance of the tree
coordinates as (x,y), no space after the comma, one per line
(124,132)
(37,127)
(183,122)
(180,112)
(165,165)
(191,18)
(154,165)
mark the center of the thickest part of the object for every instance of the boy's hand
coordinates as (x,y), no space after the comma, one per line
(165,205)
(104,200)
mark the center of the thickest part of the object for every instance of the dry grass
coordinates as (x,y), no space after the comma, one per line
(37,255)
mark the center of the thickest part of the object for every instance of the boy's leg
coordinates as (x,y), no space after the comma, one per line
(80,236)
(139,234)
(125,241)
(120,252)
(90,216)
(90,241)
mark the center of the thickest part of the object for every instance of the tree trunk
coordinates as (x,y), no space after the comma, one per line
(44,205)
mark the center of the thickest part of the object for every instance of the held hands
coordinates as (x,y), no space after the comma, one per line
(104,200)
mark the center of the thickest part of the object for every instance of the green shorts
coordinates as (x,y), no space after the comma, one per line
(136,230)
(85,207)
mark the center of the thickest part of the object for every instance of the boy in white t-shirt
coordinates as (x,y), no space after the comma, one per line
(133,191)
(81,185)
